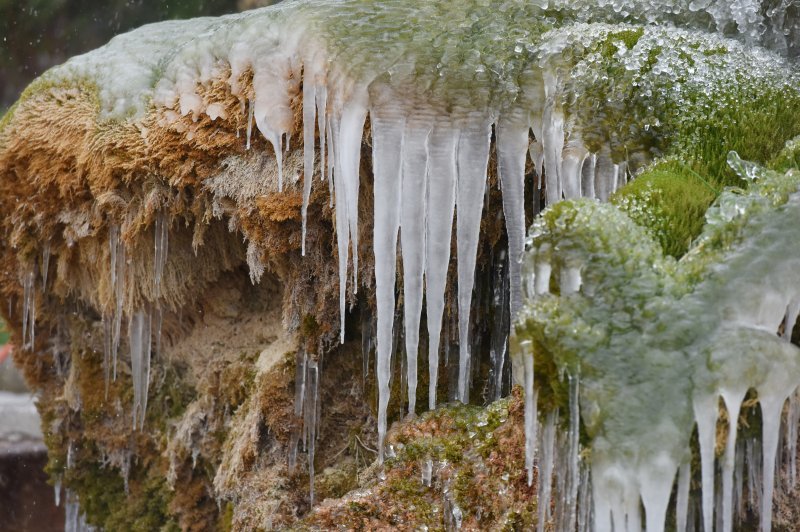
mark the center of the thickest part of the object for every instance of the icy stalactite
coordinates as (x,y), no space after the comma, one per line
(311,420)
(387,148)
(705,413)
(588,176)
(547,456)
(473,158)
(552,138)
(512,148)
(29,309)
(161,239)
(733,398)
(441,201)
(501,324)
(118,271)
(531,413)
(427,472)
(46,251)
(249,122)
(413,164)
(57,490)
(139,338)
(309,121)
(792,426)
(682,501)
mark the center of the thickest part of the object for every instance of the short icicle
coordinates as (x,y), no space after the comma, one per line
(552,139)
(473,158)
(139,341)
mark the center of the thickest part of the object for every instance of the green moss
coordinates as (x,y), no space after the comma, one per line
(671,201)
(788,158)
(609,47)
(101,491)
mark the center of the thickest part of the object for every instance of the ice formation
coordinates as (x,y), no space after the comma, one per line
(520,74)
(655,345)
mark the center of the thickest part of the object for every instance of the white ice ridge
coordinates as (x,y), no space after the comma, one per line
(433,105)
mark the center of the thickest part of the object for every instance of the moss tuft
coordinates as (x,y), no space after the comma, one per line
(670,200)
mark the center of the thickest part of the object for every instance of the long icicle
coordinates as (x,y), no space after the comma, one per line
(412,240)
(512,147)
(309,119)
(441,188)
(387,136)
(473,158)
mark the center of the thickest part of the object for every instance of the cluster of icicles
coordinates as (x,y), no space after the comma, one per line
(583,502)
(429,169)
(144,325)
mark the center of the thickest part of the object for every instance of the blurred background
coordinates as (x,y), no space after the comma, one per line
(38,34)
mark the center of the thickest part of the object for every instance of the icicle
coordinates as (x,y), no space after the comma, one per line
(139,338)
(368,335)
(351,129)
(412,237)
(29,309)
(441,187)
(572,460)
(57,490)
(330,161)
(738,480)
(501,325)
(387,143)
(733,401)
(542,277)
(792,423)
(705,412)
(427,473)
(570,280)
(792,313)
(546,459)
(531,414)
(573,157)
(585,501)
(322,113)
(347,131)
(682,504)
(604,175)
(512,146)
(552,139)
(45,264)
(161,227)
(656,478)
(771,395)
(588,176)
(310,421)
(118,277)
(249,122)
(473,158)
(309,119)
